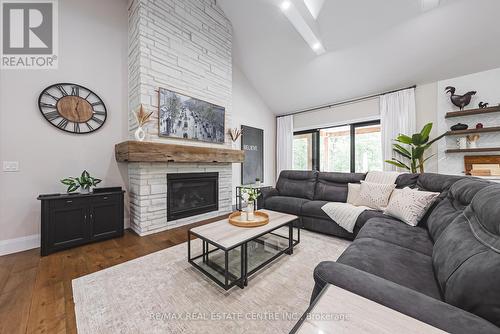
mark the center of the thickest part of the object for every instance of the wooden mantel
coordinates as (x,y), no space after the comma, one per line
(135,151)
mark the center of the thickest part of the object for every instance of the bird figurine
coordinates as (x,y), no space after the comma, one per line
(483,105)
(460,101)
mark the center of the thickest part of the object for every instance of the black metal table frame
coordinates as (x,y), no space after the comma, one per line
(243,280)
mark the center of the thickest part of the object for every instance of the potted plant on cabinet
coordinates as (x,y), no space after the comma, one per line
(85,183)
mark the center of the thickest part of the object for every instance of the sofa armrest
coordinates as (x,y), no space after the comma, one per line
(404,300)
(269,192)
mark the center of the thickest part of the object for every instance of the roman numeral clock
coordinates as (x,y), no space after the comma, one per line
(72,108)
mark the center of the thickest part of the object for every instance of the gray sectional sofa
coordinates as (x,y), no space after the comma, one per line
(445,272)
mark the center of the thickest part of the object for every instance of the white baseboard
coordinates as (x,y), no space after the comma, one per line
(19,244)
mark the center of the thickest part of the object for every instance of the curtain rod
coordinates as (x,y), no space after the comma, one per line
(345,102)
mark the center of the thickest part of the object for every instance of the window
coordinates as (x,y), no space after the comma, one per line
(348,148)
(303,145)
(368,148)
(335,149)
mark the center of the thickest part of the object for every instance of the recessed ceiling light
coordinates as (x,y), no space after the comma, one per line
(285,5)
(316,46)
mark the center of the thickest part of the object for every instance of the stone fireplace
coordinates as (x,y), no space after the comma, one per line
(173,185)
(191,194)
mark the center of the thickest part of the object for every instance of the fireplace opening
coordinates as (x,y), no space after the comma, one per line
(190,194)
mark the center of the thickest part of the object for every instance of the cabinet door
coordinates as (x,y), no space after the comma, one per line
(106,214)
(69,223)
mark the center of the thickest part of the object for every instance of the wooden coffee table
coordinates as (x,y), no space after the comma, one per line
(338,311)
(230,254)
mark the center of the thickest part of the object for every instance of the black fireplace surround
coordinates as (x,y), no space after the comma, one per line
(191,194)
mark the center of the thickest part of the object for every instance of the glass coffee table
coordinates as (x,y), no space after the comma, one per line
(230,254)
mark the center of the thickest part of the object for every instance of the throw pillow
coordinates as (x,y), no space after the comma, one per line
(353,193)
(375,195)
(410,205)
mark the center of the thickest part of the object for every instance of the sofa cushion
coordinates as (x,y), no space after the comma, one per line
(466,257)
(395,232)
(286,204)
(398,264)
(332,187)
(455,200)
(297,184)
(407,180)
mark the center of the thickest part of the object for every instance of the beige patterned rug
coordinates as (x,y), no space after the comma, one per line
(163,293)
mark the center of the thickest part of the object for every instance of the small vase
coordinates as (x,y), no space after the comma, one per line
(84,190)
(140,134)
(250,211)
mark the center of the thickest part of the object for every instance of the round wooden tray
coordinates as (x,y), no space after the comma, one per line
(261,219)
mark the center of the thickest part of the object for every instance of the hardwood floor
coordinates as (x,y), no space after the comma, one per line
(36,294)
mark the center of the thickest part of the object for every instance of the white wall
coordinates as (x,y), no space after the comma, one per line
(93,53)
(249,109)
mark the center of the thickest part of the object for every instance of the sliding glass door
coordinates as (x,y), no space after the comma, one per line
(347,148)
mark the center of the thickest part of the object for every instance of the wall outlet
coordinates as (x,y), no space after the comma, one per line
(11,166)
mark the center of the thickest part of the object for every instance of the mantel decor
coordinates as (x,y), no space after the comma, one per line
(185,117)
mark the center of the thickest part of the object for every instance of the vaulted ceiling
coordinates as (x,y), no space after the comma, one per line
(371,46)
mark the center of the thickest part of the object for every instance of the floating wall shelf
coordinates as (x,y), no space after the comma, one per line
(472,131)
(471,150)
(472,112)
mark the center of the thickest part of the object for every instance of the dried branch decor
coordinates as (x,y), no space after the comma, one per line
(234,134)
(142,117)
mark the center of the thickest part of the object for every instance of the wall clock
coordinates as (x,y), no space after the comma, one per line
(72,108)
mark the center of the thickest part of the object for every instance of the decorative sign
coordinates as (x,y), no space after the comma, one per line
(252,142)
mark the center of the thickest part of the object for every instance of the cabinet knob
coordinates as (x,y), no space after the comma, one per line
(69,201)
(105,197)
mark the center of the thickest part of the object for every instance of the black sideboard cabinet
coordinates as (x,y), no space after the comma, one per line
(74,220)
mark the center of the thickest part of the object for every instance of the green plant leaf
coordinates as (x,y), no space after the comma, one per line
(426,131)
(68,181)
(401,150)
(85,174)
(417,139)
(404,139)
(73,188)
(397,164)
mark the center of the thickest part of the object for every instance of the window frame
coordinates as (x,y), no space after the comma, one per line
(316,141)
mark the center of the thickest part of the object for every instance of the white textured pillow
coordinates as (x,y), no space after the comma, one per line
(375,195)
(410,205)
(353,190)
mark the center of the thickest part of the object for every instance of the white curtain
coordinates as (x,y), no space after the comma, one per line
(397,115)
(284,144)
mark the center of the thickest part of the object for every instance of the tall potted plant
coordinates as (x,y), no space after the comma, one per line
(412,148)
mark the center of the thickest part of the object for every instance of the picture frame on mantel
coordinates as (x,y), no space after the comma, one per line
(252,142)
(184,117)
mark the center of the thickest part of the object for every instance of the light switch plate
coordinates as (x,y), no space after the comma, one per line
(11,166)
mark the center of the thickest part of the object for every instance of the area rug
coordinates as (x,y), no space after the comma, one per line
(163,293)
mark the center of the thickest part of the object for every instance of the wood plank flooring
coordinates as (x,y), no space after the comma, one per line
(36,294)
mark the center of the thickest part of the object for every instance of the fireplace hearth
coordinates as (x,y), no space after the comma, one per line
(190,194)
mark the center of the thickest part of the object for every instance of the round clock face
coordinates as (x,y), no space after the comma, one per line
(72,108)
